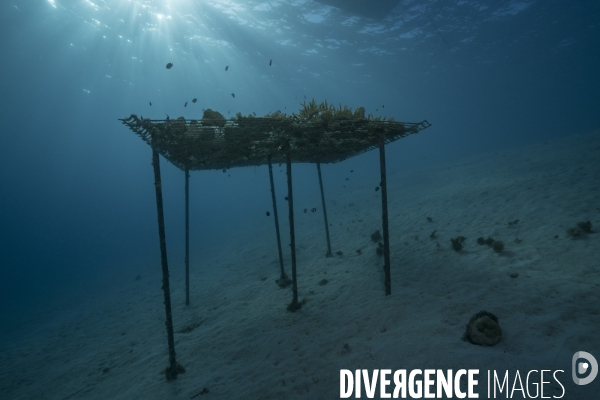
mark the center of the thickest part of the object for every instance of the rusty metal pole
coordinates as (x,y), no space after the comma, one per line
(173,368)
(324,211)
(386,235)
(187,236)
(283,276)
(294,305)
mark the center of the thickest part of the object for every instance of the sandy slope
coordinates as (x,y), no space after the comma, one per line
(245,345)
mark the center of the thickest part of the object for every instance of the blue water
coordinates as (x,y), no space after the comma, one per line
(77,206)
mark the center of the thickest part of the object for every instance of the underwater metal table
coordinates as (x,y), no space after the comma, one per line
(320,133)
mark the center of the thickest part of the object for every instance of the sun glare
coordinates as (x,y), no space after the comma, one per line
(93,5)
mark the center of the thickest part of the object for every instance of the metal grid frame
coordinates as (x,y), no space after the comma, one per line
(249,141)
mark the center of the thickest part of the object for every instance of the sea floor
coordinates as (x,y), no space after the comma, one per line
(236,339)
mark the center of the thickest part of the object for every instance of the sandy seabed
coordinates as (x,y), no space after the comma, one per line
(240,342)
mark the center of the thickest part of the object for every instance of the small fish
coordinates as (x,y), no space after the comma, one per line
(233,95)
(203,109)
(377,109)
(377,189)
(224,170)
(185,105)
(351,171)
(194,100)
(270,62)
(150,103)
(305,210)
(226,67)
(268,214)
(313,209)
(169,65)
(254,113)
(168,117)
(304,97)
(228,111)
(286,198)
(383,106)
(347,179)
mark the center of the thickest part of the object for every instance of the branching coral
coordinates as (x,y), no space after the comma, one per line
(328,112)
